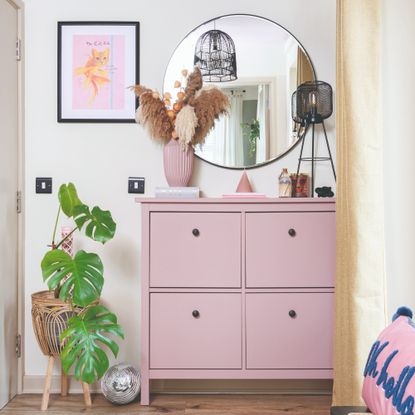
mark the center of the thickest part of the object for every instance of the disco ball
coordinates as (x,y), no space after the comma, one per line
(121,384)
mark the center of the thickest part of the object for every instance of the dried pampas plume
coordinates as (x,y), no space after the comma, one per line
(209,104)
(194,83)
(186,123)
(152,114)
(139,89)
(192,116)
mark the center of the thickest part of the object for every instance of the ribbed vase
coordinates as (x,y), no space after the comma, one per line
(178,163)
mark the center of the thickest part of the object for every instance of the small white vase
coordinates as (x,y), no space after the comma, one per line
(178,163)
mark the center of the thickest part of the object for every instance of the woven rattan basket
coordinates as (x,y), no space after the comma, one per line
(50,316)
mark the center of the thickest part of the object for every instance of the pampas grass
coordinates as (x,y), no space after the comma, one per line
(209,105)
(194,83)
(152,114)
(186,123)
(191,117)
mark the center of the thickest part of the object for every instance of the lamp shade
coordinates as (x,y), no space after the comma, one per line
(215,56)
(312,102)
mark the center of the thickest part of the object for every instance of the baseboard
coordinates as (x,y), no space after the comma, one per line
(249,386)
(34,384)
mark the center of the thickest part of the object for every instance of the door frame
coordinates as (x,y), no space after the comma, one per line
(19,6)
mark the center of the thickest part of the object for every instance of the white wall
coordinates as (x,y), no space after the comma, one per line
(399,150)
(98,158)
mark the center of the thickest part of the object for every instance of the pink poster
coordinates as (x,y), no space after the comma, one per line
(98,72)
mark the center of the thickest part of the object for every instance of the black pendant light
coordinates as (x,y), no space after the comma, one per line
(311,104)
(215,56)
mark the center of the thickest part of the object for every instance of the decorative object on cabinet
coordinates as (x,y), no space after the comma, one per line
(97,61)
(262,309)
(312,103)
(182,125)
(178,164)
(302,185)
(67,320)
(248,136)
(177,192)
(244,184)
(189,119)
(284,184)
(324,191)
(215,55)
(121,384)
(388,386)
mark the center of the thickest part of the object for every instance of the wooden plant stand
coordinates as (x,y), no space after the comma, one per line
(50,316)
(64,386)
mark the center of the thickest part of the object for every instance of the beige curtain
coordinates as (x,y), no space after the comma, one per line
(360,280)
(304,69)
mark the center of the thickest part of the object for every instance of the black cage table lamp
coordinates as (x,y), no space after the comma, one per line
(311,104)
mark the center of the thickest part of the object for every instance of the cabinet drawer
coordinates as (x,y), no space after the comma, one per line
(195,331)
(290,249)
(276,340)
(195,249)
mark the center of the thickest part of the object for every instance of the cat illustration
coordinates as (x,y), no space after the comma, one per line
(94,72)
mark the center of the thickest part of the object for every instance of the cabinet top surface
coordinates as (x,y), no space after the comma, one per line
(237,200)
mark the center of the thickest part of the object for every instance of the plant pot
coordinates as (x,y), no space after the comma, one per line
(178,163)
(50,317)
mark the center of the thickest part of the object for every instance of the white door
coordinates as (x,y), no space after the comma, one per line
(8,187)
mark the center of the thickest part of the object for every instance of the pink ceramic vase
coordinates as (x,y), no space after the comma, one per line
(178,163)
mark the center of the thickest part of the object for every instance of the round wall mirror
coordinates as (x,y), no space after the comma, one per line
(270,64)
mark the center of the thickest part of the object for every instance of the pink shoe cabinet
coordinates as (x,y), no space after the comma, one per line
(237,289)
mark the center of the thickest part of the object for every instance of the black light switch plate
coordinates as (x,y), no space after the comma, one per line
(43,184)
(136,184)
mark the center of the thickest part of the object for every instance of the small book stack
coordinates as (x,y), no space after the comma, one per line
(177,192)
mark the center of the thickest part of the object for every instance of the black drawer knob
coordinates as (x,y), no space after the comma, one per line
(292,314)
(291,232)
(195,314)
(196,232)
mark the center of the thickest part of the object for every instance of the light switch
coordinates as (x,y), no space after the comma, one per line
(43,184)
(136,184)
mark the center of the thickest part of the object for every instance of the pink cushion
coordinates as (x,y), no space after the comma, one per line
(389,384)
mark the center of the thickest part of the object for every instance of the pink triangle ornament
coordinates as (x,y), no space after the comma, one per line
(244,186)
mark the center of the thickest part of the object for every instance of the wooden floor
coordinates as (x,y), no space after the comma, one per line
(178,405)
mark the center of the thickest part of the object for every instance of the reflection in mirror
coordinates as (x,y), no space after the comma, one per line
(271,64)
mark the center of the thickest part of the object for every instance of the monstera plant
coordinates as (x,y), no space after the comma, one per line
(77,281)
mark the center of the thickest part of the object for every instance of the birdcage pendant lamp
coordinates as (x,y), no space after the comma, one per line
(216,57)
(311,104)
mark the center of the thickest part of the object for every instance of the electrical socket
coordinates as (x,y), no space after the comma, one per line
(136,184)
(43,184)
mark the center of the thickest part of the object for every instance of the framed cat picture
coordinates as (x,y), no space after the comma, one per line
(97,63)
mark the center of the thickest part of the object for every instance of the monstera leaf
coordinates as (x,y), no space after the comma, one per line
(83,275)
(82,336)
(68,198)
(99,224)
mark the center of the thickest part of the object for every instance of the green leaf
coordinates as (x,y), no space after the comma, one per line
(84,275)
(68,198)
(99,223)
(84,338)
